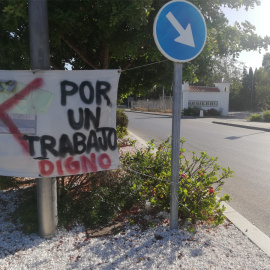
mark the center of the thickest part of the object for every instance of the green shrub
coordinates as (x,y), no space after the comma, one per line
(256,117)
(7,182)
(199,181)
(121,123)
(121,118)
(213,112)
(26,213)
(187,111)
(121,132)
(191,111)
(266,116)
(196,111)
(94,199)
(91,199)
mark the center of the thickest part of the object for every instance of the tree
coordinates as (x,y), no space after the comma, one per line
(262,86)
(251,88)
(246,93)
(266,61)
(226,67)
(14,37)
(97,34)
(229,69)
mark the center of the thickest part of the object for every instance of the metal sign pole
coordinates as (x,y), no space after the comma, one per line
(178,17)
(176,118)
(40,59)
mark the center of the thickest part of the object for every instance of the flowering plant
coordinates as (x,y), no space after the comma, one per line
(200,179)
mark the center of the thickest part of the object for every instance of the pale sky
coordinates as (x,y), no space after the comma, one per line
(260,18)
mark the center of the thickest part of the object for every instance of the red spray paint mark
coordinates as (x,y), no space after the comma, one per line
(85,164)
(13,101)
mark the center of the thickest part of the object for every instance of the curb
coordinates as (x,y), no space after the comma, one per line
(246,227)
(255,235)
(241,126)
(139,139)
(145,112)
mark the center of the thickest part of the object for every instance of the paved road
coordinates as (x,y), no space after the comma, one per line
(245,151)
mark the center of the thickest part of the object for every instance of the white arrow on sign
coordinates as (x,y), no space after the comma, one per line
(186,36)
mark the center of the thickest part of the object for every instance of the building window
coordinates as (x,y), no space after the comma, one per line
(201,103)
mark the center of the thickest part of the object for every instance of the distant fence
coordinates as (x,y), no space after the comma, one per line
(163,104)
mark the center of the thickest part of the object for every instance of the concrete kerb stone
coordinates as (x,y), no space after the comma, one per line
(145,112)
(242,125)
(139,139)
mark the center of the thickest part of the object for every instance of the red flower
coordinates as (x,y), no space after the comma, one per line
(211,191)
(183,175)
(166,221)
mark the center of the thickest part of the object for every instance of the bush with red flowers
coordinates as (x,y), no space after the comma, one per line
(200,180)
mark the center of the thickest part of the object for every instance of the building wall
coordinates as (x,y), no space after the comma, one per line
(208,100)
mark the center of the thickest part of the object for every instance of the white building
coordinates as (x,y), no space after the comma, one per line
(206,98)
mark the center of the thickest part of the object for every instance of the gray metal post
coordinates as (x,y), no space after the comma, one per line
(40,59)
(47,206)
(176,118)
(39,34)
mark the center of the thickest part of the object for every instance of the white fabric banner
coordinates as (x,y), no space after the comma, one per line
(55,123)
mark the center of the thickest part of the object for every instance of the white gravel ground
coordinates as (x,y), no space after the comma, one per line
(223,247)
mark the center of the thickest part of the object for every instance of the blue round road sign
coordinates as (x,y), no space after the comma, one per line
(180,31)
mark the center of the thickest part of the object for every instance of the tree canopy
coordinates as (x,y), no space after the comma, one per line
(254,91)
(266,61)
(262,85)
(108,34)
